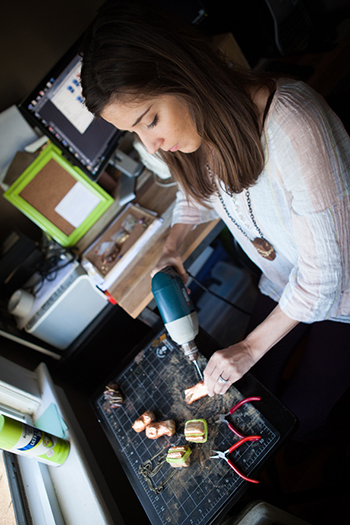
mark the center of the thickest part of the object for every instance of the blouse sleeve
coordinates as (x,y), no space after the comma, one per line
(187,211)
(316,174)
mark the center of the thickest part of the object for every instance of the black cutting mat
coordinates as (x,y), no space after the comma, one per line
(155,380)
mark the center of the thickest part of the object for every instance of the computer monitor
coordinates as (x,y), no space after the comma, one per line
(57,108)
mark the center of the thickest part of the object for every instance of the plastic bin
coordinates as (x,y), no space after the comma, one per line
(261,513)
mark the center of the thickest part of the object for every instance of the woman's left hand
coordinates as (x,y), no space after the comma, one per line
(230,364)
(233,362)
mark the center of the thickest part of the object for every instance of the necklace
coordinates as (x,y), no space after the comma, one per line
(262,246)
(148,472)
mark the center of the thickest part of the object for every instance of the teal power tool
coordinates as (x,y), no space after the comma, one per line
(177,311)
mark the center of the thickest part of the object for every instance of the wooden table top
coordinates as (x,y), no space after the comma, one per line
(132,289)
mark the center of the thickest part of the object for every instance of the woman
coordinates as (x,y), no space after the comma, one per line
(267,156)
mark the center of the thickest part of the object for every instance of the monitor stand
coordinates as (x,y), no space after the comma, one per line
(130,169)
(126,189)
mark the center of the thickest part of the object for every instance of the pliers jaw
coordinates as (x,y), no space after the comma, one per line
(221,418)
(223,455)
(219,455)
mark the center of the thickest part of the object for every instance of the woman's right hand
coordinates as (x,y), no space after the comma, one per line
(171,251)
(171,258)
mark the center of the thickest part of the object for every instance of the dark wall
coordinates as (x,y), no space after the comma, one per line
(33,36)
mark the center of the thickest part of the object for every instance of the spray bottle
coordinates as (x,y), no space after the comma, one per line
(19,438)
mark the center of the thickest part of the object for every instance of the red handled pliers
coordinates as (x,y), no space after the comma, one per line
(222,455)
(221,417)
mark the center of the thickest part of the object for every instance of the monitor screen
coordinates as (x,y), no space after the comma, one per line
(57,108)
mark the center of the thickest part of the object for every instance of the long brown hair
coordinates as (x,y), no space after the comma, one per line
(134,48)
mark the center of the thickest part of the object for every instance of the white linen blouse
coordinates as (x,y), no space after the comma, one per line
(301,203)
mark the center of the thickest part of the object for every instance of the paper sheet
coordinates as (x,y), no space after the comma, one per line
(77,204)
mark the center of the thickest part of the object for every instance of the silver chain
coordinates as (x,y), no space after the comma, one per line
(228,213)
(247,193)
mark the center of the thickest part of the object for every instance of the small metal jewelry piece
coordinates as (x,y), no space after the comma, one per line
(148,472)
(222,380)
(263,247)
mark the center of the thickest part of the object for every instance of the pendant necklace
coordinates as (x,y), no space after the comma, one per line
(262,246)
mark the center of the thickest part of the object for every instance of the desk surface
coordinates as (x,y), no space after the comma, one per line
(132,289)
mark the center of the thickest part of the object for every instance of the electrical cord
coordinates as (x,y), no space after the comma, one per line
(217,296)
(48,268)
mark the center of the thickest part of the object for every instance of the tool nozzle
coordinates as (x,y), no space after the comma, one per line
(199,371)
(191,351)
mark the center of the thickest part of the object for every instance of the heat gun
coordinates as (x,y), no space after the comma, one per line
(177,311)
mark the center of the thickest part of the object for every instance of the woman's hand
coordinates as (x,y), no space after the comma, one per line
(171,251)
(230,364)
(235,361)
(171,258)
